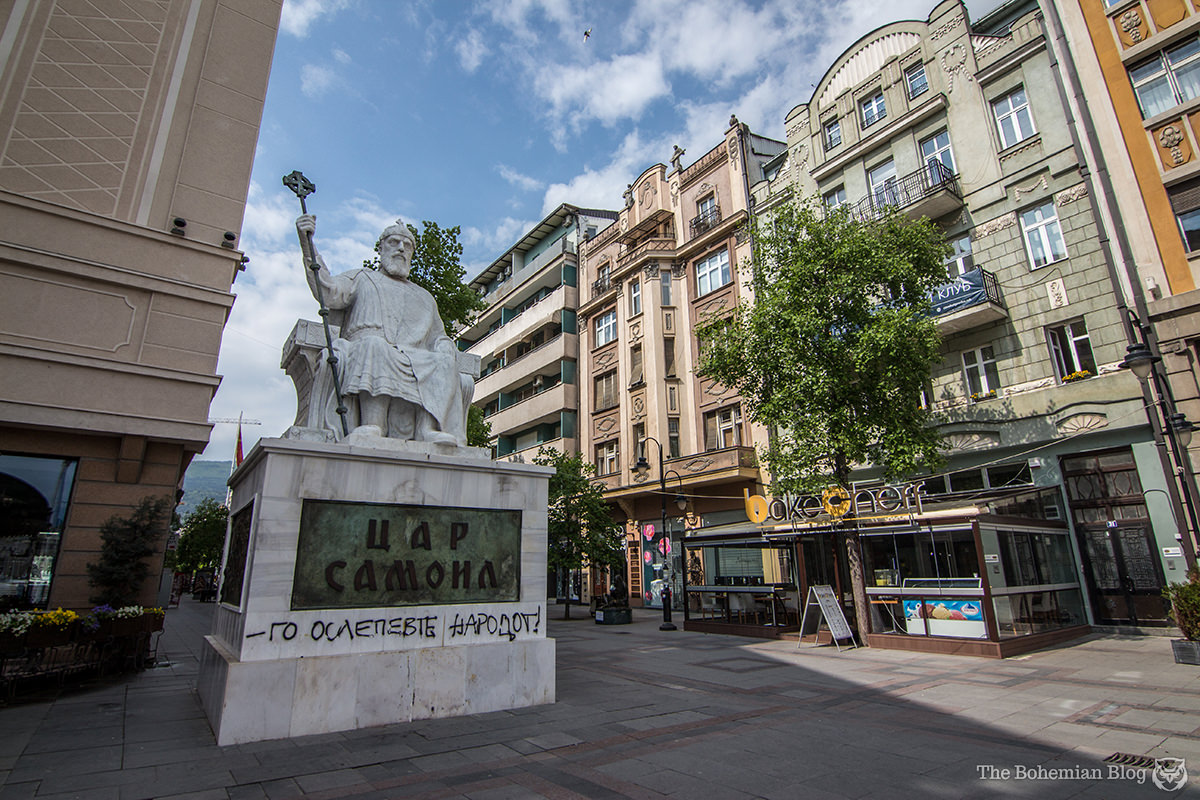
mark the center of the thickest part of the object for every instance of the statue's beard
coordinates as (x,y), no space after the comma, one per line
(395,267)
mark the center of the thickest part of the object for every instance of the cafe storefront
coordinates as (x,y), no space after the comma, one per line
(990,577)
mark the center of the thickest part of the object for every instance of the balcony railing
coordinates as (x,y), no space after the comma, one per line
(933,180)
(600,286)
(971,299)
(707,220)
(647,247)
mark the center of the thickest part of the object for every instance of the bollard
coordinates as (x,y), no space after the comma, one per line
(667,625)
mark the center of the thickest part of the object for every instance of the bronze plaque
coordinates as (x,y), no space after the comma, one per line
(235,562)
(365,555)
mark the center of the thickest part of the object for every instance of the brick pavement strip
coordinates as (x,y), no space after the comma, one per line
(645,714)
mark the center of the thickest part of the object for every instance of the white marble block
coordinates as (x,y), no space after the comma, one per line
(368,650)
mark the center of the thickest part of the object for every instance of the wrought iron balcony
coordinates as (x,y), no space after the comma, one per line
(706,220)
(931,191)
(970,300)
(600,286)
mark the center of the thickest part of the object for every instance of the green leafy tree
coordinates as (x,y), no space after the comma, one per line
(126,545)
(202,537)
(479,430)
(836,347)
(437,268)
(581,528)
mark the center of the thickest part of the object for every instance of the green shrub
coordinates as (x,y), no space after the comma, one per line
(1185,604)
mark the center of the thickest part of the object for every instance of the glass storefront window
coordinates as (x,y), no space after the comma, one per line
(1035,612)
(1033,559)
(35,495)
(892,559)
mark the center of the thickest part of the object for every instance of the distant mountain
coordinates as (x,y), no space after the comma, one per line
(204,479)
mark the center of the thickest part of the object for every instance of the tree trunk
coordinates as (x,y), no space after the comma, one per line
(567,601)
(854,557)
(854,561)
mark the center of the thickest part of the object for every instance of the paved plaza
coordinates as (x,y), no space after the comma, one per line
(644,714)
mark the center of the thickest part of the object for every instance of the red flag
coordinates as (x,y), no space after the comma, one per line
(237,456)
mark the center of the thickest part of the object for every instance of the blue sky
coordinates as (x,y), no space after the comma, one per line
(487,115)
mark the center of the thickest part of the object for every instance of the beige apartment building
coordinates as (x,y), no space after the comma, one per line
(127,133)
(674,256)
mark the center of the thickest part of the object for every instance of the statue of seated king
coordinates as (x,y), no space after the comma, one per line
(401,377)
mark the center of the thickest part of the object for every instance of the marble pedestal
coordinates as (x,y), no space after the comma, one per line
(270,671)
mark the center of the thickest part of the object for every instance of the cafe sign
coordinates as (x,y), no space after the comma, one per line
(835,503)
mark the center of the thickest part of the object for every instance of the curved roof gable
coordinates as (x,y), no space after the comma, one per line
(867,57)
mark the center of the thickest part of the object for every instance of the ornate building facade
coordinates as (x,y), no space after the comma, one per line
(674,256)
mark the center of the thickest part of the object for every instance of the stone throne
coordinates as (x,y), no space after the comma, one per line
(301,360)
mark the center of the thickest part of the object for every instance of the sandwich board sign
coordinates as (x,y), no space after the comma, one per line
(822,602)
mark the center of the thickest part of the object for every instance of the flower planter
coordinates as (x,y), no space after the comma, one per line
(152,623)
(614,616)
(42,637)
(1186,651)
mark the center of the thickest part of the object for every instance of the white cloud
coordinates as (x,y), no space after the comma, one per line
(341,56)
(522,182)
(471,50)
(497,239)
(315,80)
(604,187)
(299,15)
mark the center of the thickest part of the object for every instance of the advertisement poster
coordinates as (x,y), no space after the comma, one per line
(945,618)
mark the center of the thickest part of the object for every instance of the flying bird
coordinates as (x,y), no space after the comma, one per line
(586,34)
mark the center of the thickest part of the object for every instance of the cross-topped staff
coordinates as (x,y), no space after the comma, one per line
(302,187)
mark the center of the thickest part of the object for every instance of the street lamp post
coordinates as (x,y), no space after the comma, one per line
(1143,361)
(643,468)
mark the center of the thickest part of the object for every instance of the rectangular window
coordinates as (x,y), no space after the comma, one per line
(607,461)
(672,401)
(639,439)
(979,369)
(707,207)
(832,134)
(835,198)
(635,298)
(672,437)
(606,391)
(606,328)
(1189,228)
(1013,118)
(723,428)
(1043,236)
(712,273)
(635,366)
(935,151)
(603,272)
(669,356)
(873,109)
(1071,351)
(914,78)
(1168,78)
(960,261)
(665,281)
(883,184)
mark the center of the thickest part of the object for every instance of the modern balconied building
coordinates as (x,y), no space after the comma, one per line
(127,133)
(672,259)
(527,338)
(964,123)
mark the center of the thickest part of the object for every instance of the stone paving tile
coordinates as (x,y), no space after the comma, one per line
(210,794)
(1168,721)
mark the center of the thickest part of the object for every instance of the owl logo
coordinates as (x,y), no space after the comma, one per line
(1169,773)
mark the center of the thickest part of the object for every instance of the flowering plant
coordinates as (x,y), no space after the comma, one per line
(977,396)
(1078,375)
(57,618)
(15,622)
